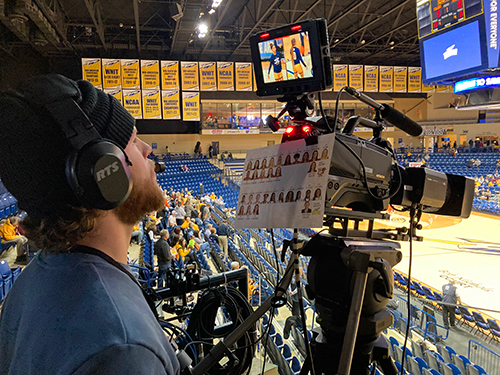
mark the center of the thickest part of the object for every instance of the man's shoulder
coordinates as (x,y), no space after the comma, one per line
(93,305)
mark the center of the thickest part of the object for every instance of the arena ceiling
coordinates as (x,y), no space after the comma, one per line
(361,31)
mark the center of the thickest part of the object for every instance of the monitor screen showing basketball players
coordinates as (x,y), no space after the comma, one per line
(286,58)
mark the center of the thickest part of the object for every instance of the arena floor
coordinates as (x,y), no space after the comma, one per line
(467,250)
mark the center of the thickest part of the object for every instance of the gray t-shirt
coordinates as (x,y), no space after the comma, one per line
(78,314)
(450,293)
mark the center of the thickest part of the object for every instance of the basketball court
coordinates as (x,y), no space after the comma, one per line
(466,250)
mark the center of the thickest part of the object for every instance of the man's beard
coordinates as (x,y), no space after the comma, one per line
(145,197)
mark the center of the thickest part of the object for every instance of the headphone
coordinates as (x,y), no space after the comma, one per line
(97,169)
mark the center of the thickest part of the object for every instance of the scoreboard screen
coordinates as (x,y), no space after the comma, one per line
(436,15)
(457,38)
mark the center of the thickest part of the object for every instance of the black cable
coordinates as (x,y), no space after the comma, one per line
(202,324)
(407,333)
(275,257)
(337,107)
(323,113)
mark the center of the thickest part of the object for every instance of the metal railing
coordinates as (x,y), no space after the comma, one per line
(484,357)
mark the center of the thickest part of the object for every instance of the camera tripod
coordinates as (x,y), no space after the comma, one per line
(350,323)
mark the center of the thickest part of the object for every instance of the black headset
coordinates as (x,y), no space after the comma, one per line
(97,169)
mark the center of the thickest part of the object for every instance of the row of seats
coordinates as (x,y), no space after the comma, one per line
(425,362)
(8,276)
(487,327)
(8,205)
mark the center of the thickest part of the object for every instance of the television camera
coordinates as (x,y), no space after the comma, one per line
(350,270)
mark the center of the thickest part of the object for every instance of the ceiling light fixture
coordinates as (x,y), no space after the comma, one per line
(202,30)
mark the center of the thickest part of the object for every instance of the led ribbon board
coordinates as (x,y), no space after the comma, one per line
(476,83)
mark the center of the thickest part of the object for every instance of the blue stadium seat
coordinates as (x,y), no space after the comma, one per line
(295,367)
(6,274)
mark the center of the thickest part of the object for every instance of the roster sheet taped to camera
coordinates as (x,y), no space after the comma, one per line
(284,186)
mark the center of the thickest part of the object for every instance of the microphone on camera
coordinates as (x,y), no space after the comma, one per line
(388,113)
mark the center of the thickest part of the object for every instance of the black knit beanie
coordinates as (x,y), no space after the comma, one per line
(33,147)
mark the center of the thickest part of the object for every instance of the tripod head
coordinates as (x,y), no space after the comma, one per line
(297,108)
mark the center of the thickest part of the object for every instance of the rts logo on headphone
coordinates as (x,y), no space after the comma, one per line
(107,171)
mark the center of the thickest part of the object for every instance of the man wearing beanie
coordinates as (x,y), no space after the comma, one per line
(75,309)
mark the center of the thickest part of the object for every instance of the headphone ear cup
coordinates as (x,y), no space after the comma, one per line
(99,175)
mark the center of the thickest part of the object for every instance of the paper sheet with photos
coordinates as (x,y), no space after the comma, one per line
(284,186)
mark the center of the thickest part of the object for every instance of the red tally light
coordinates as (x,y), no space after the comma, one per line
(306,129)
(295,28)
(289,130)
(265,35)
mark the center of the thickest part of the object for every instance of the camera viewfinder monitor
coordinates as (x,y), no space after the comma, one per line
(292,59)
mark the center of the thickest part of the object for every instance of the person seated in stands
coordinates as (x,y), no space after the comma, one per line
(213,235)
(185,224)
(138,233)
(477,163)
(235,266)
(10,235)
(229,156)
(181,168)
(470,163)
(197,238)
(206,232)
(171,222)
(151,231)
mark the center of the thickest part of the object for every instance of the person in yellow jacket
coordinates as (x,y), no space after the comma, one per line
(189,224)
(8,232)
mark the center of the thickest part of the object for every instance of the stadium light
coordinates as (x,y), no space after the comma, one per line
(202,30)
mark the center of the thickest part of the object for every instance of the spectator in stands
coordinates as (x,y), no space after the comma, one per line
(213,234)
(451,297)
(210,151)
(138,232)
(83,247)
(201,191)
(9,235)
(206,232)
(188,207)
(197,239)
(197,149)
(180,213)
(235,266)
(470,163)
(172,222)
(477,163)
(229,156)
(222,233)
(151,231)
(205,212)
(471,143)
(164,257)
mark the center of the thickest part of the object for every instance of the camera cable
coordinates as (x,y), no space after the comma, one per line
(413,215)
(202,325)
